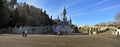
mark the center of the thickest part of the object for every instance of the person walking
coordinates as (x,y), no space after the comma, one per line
(118,32)
(25,34)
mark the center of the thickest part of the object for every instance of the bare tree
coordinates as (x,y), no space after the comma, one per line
(118,17)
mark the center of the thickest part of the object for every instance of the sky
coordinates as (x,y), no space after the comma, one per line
(82,12)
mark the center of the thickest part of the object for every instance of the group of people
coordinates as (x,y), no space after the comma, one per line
(24,33)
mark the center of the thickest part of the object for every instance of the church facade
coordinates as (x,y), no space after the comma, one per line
(64,21)
(64,25)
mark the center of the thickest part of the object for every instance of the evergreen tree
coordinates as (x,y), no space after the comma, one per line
(4,14)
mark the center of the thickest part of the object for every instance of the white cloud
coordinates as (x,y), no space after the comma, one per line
(71,3)
(108,8)
(96,4)
(101,2)
(79,14)
(96,11)
(67,4)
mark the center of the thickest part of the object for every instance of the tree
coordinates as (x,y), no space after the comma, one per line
(23,14)
(4,14)
(12,4)
(118,17)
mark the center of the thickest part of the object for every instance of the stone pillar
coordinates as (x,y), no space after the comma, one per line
(89,31)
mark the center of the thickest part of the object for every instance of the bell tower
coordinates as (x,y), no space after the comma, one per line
(64,15)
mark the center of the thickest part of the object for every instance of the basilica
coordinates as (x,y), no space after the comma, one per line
(64,25)
(64,21)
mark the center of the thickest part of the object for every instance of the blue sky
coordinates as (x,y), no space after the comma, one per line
(82,12)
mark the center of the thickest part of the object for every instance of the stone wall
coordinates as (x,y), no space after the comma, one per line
(32,30)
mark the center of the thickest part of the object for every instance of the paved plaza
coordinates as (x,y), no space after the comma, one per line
(99,40)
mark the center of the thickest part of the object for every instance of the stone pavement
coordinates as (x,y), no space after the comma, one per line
(11,40)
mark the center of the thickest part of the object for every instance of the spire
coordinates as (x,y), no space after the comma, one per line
(64,15)
(70,17)
(64,7)
(64,11)
(70,22)
(51,17)
(58,18)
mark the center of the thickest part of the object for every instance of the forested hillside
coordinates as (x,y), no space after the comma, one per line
(14,14)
